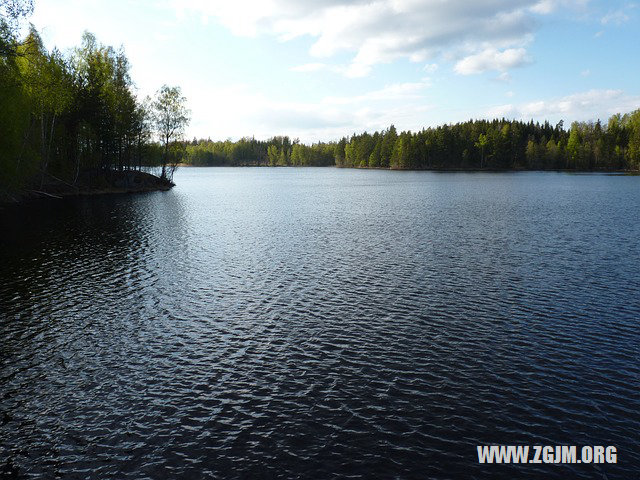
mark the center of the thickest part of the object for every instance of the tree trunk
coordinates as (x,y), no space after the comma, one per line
(165,159)
(42,149)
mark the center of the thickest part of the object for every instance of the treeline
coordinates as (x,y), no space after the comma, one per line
(502,144)
(277,151)
(479,144)
(62,115)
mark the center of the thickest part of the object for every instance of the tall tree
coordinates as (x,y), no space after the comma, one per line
(11,12)
(47,83)
(632,122)
(171,117)
(481,144)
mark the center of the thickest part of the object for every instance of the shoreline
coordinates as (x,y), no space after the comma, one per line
(88,184)
(432,169)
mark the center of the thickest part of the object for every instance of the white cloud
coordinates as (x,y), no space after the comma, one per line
(617,17)
(383,31)
(393,92)
(492,59)
(588,105)
(545,7)
(345,37)
(500,111)
(503,77)
(402,104)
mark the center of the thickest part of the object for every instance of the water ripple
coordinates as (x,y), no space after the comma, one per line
(322,323)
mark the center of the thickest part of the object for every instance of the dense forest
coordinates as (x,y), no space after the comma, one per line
(479,144)
(64,117)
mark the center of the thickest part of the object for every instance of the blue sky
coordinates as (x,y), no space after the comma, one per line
(321,69)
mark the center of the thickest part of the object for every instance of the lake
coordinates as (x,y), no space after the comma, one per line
(322,323)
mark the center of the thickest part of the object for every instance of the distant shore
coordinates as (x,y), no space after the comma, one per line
(431,169)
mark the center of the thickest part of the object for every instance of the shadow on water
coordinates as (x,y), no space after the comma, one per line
(72,269)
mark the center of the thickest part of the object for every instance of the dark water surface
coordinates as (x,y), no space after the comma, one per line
(322,323)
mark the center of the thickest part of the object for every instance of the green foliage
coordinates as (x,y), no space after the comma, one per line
(272,154)
(64,114)
(631,123)
(503,144)
(375,158)
(497,144)
(404,153)
(11,12)
(552,154)
(170,116)
(386,148)
(277,151)
(61,115)
(14,121)
(481,144)
(339,152)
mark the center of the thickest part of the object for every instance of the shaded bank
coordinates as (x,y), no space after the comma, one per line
(89,183)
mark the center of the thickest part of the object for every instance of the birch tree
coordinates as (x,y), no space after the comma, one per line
(171,118)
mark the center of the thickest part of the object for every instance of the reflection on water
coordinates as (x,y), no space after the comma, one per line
(321,323)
